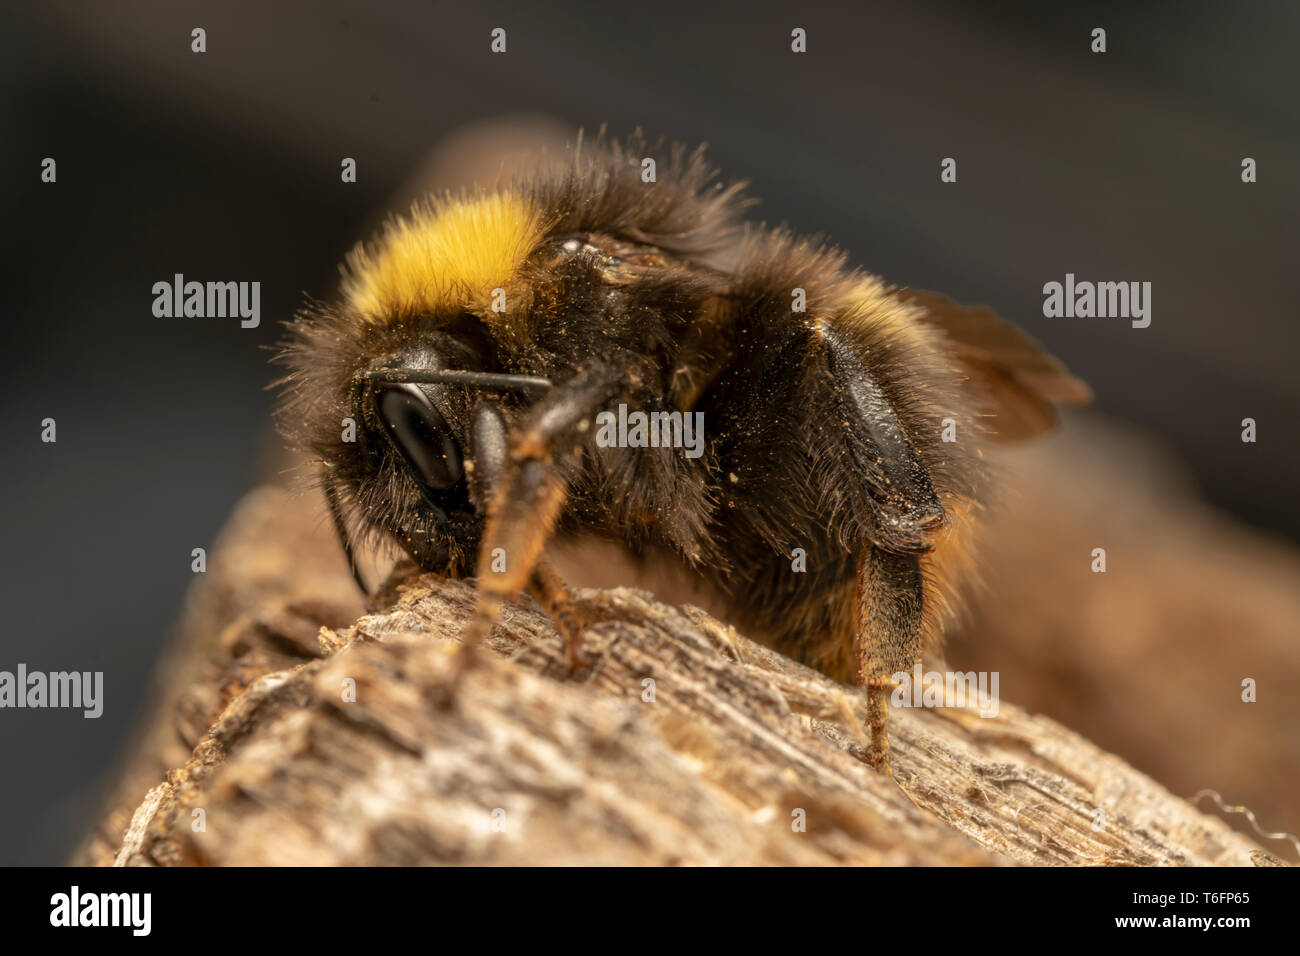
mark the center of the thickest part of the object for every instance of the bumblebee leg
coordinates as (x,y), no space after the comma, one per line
(529,493)
(490,451)
(489,448)
(523,511)
(905,515)
(889,635)
(549,590)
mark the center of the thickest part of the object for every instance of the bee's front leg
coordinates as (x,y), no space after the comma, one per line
(889,634)
(549,590)
(526,497)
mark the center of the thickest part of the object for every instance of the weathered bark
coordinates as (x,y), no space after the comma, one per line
(251,727)
(529,763)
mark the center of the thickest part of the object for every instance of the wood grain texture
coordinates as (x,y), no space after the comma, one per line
(534,764)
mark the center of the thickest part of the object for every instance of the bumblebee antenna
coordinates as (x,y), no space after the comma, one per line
(341,528)
(438,376)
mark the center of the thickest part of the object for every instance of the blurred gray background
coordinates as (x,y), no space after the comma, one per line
(1122,166)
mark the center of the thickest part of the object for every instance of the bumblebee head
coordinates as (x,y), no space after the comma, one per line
(384,386)
(459,314)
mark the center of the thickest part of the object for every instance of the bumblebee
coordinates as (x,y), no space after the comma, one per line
(837,500)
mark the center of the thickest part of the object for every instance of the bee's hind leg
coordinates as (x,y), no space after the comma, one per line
(889,635)
(902,514)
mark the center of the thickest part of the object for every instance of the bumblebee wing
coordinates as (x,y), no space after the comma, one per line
(1018,381)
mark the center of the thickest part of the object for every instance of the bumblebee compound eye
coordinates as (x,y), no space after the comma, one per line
(420,434)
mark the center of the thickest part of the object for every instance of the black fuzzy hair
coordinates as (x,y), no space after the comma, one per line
(687,210)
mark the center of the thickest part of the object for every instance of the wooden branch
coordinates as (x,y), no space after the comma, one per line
(684,742)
